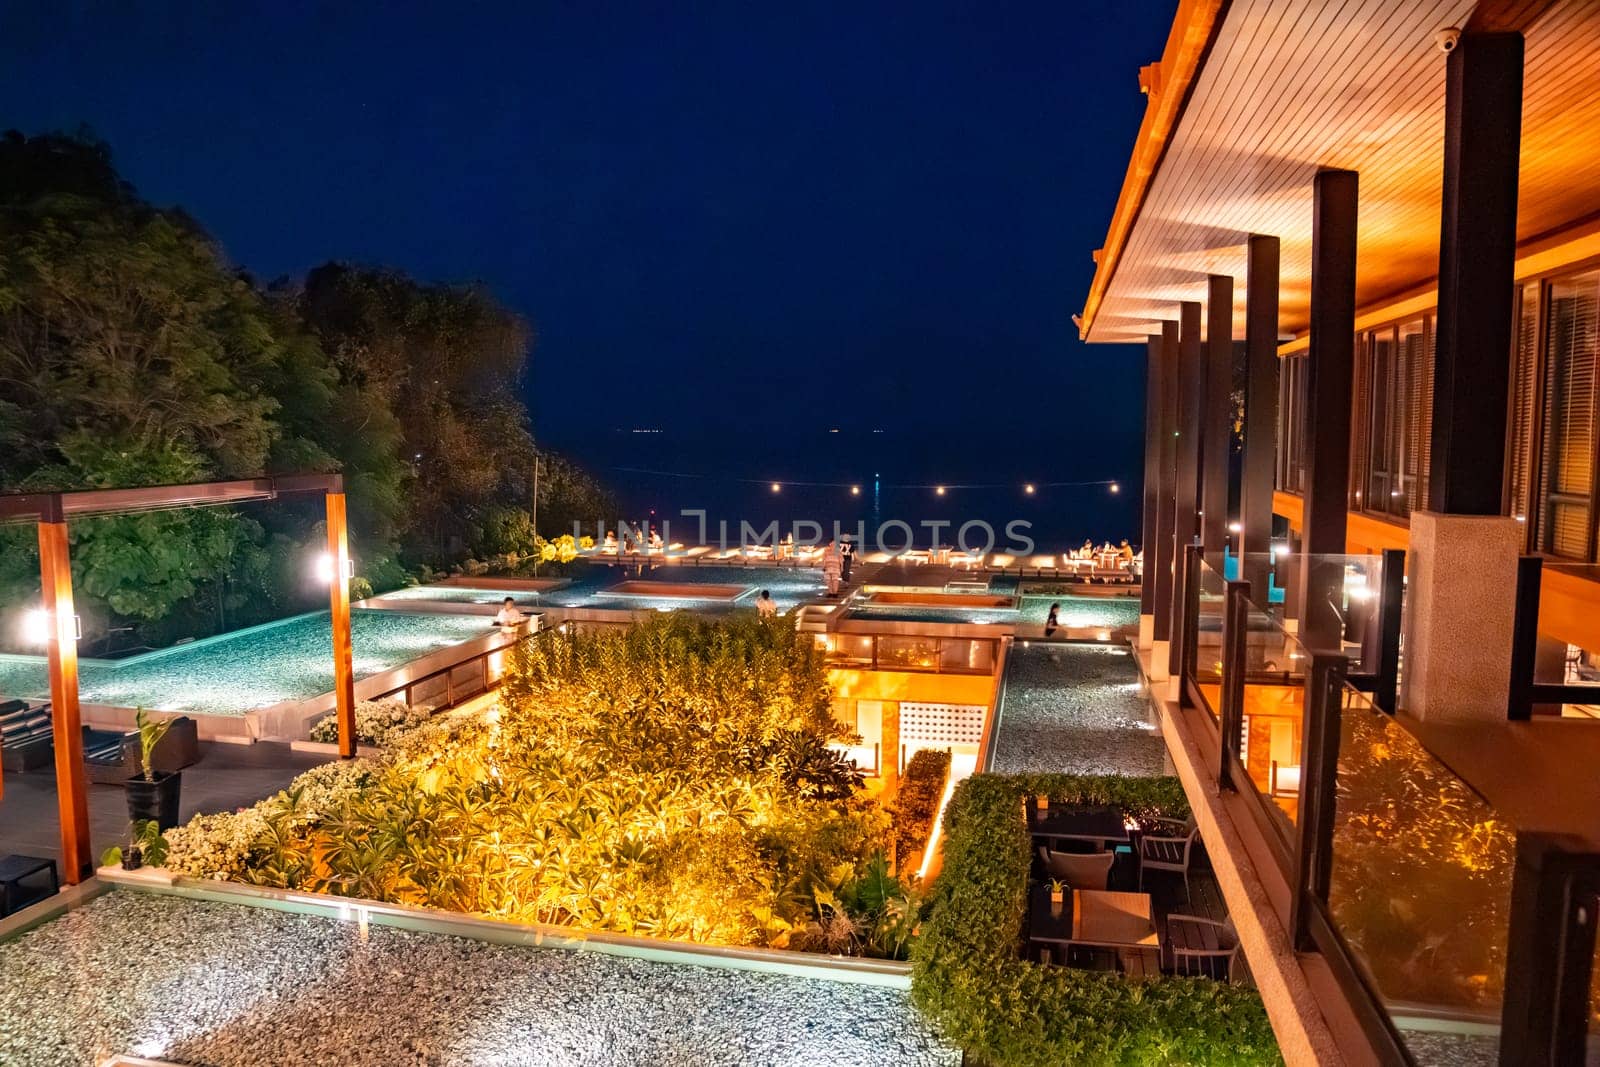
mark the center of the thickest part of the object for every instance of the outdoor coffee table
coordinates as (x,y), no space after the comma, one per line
(1092,918)
(14,894)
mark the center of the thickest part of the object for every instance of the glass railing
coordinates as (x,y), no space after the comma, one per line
(1419,884)
(1205,635)
(1272,714)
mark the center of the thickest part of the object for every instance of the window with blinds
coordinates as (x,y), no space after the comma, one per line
(1566,505)
(1524,405)
(1395,402)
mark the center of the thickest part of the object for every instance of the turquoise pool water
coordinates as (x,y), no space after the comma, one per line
(1085,611)
(234,673)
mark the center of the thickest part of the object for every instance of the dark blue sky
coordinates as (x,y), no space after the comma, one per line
(742,218)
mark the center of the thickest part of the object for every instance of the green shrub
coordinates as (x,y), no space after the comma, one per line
(916,804)
(970,978)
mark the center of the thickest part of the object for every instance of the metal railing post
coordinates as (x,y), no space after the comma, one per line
(1391,603)
(1319,761)
(1549,953)
(1235,639)
(1524,639)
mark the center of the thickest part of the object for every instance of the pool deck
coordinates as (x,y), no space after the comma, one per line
(226,777)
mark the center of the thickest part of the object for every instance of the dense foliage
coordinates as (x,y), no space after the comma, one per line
(377,722)
(970,978)
(916,804)
(672,779)
(132,353)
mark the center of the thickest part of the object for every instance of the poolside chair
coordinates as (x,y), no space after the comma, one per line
(1079,870)
(1169,853)
(1184,932)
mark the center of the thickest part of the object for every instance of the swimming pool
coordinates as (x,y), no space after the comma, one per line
(1076,611)
(591,588)
(233,673)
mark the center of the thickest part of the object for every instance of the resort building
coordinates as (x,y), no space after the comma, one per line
(1368,233)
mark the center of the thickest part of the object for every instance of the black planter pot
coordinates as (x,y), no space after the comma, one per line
(156,800)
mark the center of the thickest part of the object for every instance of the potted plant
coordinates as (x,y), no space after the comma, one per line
(1058,893)
(152,794)
(145,845)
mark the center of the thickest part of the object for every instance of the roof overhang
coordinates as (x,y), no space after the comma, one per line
(1288,87)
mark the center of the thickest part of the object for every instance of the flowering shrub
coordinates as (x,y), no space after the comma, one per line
(663,780)
(377,722)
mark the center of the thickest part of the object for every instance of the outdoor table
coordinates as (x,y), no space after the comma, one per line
(1100,825)
(1091,917)
(14,895)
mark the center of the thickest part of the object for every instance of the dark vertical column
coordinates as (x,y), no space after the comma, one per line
(1330,367)
(1158,558)
(61,654)
(1216,434)
(1186,483)
(1477,251)
(1152,468)
(1260,409)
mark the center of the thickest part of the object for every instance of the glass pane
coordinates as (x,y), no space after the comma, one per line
(1206,634)
(1273,714)
(966,655)
(1420,883)
(908,653)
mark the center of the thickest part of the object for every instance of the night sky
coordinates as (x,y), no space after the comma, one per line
(730,221)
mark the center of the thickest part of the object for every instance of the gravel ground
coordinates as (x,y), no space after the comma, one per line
(1076,709)
(221,984)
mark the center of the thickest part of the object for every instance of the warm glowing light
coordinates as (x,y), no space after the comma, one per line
(938,822)
(1028,489)
(776,487)
(1115,488)
(1280,550)
(1234,527)
(324,568)
(855,490)
(939,490)
(36,626)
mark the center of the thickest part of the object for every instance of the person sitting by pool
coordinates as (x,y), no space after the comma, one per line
(766,607)
(509,617)
(1052,621)
(1125,551)
(611,541)
(1087,550)
(655,540)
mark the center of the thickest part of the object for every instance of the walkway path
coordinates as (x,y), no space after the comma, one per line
(223,984)
(1075,709)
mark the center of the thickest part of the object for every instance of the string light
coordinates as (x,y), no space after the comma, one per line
(855,490)
(1111,484)
(938,490)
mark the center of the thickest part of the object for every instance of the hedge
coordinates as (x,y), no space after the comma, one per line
(917,803)
(970,979)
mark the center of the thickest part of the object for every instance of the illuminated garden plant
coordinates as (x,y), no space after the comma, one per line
(672,779)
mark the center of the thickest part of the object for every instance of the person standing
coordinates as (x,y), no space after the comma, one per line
(832,564)
(766,607)
(847,556)
(1053,621)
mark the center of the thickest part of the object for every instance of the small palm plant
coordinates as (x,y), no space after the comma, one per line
(151,731)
